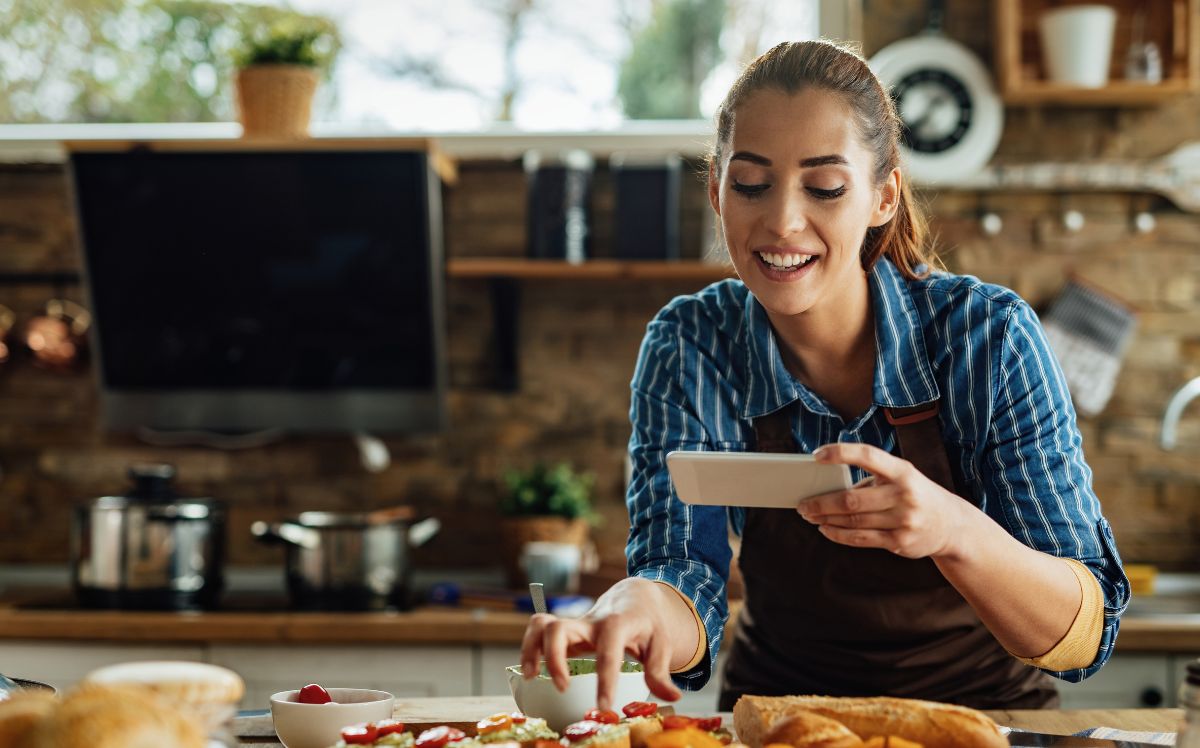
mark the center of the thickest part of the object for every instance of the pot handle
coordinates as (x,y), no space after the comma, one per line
(286,532)
(422,532)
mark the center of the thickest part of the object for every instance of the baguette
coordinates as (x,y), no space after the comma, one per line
(930,723)
(811,730)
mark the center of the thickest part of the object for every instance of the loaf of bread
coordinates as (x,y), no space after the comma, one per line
(811,730)
(932,724)
(96,717)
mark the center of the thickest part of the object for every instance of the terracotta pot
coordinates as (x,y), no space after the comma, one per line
(515,532)
(276,100)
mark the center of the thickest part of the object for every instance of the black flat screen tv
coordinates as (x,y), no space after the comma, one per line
(243,289)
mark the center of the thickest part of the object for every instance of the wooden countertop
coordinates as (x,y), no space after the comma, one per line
(422,626)
(429,625)
(421,713)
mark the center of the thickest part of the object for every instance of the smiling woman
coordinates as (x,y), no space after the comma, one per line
(971,546)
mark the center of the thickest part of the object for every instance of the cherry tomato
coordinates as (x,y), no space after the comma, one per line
(495,723)
(313,694)
(581,730)
(677,722)
(709,723)
(603,716)
(640,709)
(389,726)
(436,737)
(363,734)
(518,718)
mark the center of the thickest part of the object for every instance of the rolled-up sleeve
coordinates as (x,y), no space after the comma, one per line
(1035,480)
(684,546)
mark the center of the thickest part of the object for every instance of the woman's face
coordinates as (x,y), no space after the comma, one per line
(796,194)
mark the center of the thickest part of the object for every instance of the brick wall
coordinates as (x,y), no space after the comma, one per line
(579,342)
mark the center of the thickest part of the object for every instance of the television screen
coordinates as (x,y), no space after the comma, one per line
(243,289)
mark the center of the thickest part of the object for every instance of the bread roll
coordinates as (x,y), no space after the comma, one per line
(22,714)
(209,693)
(115,717)
(811,730)
(930,723)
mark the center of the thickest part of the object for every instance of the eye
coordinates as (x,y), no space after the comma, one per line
(750,190)
(821,194)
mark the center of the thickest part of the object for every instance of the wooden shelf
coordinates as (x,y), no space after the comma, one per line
(1170,24)
(596,270)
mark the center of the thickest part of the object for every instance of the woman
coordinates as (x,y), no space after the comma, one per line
(970,559)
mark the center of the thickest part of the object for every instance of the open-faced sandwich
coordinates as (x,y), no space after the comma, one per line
(591,733)
(502,730)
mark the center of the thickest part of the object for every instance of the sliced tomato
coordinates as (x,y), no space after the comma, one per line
(640,709)
(603,716)
(495,723)
(677,722)
(363,734)
(436,737)
(709,723)
(313,694)
(389,726)
(518,718)
(581,730)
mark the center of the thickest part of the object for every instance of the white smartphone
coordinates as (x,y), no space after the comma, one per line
(769,480)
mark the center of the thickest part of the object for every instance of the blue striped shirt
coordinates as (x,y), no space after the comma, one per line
(709,364)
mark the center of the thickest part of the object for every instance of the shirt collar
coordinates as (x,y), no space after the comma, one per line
(903,376)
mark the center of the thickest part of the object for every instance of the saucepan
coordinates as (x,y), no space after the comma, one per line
(349,561)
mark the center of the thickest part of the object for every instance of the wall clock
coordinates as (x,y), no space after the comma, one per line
(952,117)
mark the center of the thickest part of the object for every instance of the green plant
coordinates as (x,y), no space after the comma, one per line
(313,44)
(542,490)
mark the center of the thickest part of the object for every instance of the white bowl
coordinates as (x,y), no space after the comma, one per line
(537,697)
(320,725)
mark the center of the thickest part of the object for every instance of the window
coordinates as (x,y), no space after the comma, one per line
(441,65)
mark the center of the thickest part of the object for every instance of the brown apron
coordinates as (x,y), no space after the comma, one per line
(825,618)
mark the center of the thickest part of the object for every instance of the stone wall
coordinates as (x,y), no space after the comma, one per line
(578,343)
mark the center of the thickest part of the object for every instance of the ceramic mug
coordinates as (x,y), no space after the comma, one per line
(554,565)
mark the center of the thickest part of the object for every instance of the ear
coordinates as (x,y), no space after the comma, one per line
(714,188)
(887,199)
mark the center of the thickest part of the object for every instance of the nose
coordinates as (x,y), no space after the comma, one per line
(785,214)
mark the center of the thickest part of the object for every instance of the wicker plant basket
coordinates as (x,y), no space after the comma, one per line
(276,100)
(515,532)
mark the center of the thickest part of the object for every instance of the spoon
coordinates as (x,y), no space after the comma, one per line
(538,593)
(7,686)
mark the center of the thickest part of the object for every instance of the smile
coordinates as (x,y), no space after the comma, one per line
(785,262)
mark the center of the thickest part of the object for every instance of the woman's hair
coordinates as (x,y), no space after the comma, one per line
(791,67)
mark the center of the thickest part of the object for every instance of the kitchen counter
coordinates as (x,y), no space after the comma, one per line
(427,625)
(422,713)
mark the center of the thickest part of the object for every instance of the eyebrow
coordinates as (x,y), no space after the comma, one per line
(807,163)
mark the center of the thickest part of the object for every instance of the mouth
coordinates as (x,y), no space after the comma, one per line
(785,263)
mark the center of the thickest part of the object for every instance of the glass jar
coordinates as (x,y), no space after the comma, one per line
(1189,700)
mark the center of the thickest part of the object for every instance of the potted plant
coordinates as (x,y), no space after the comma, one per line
(278,72)
(543,503)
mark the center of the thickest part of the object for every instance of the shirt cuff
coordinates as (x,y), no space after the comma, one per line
(1079,646)
(701,636)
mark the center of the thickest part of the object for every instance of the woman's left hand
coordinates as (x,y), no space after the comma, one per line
(897,509)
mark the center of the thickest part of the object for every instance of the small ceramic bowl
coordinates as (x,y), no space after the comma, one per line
(537,697)
(320,725)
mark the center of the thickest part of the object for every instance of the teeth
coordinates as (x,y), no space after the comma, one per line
(786,261)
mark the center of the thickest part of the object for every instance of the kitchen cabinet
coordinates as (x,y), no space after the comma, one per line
(401,670)
(1126,681)
(62,664)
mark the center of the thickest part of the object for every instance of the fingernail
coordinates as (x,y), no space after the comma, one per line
(820,453)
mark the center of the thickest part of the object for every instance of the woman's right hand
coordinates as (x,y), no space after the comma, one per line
(646,619)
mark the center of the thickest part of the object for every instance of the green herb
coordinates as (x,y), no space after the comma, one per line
(311,44)
(541,490)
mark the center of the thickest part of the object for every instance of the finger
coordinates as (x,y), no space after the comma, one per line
(872,459)
(657,664)
(860,538)
(531,644)
(892,519)
(610,653)
(554,644)
(852,501)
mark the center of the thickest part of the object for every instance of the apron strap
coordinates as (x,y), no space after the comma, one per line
(919,435)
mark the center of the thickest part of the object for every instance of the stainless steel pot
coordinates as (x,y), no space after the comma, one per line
(150,549)
(349,561)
